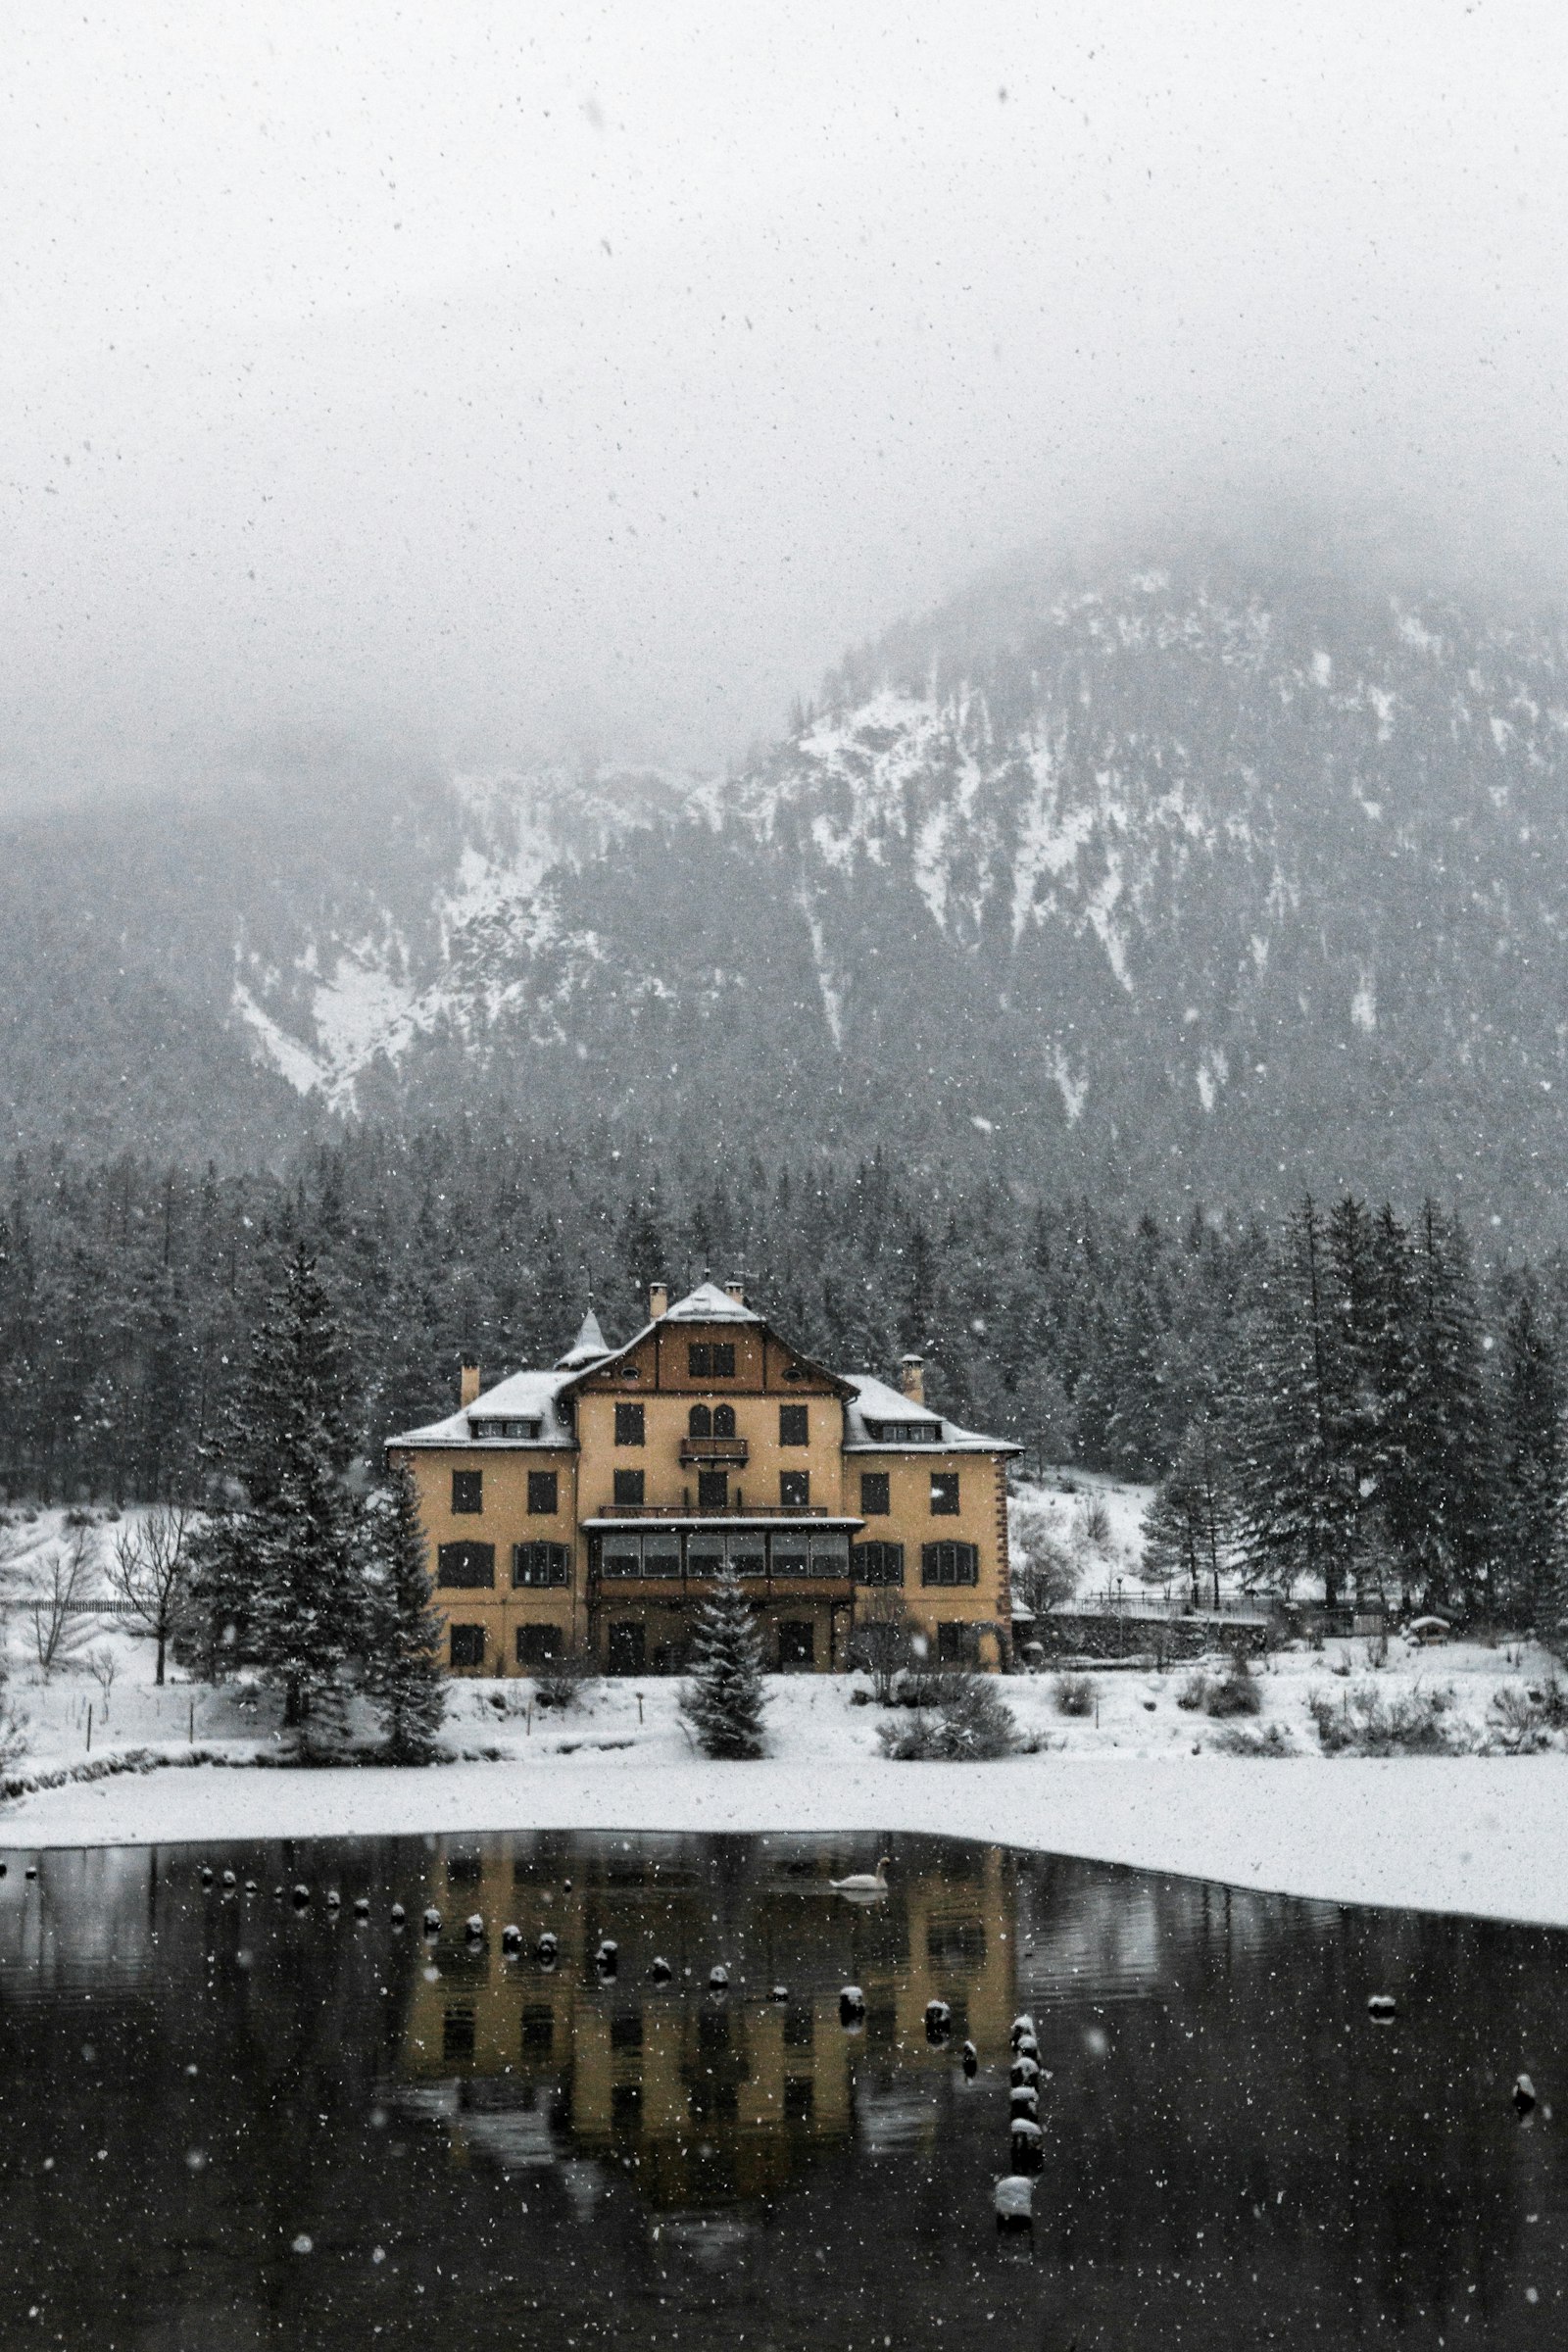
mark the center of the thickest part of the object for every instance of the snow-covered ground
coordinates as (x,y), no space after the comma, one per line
(1098,1520)
(1140,1779)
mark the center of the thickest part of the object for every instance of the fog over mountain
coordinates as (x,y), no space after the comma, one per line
(575,384)
(1183,883)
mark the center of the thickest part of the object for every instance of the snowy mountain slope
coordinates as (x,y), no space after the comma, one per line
(1177,883)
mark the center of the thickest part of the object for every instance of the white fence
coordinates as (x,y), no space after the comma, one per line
(1133,1601)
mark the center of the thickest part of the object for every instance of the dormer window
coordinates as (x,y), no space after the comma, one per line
(905,1432)
(512,1428)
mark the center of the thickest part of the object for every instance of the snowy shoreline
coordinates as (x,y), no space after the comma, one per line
(1482,1836)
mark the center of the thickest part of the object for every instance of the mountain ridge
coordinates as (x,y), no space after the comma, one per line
(1192,884)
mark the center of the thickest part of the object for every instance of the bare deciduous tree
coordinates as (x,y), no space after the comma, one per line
(104,1667)
(64,1576)
(149,1569)
(881,1639)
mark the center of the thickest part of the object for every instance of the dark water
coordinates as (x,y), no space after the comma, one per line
(230,2124)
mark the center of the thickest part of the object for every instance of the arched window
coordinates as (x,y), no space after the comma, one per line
(723,1420)
(950,1564)
(700,1421)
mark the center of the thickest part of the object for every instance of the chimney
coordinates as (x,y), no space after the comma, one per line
(470,1388)
(657,1300)
(736,1290)
(911,1378)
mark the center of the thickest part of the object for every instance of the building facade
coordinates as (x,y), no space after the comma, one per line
(585,1510)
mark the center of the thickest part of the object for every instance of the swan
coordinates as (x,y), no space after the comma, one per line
(864,1884)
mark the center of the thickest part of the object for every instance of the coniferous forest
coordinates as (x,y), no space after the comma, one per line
(1345,1399)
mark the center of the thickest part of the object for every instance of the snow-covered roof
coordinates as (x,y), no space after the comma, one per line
(707,1304)
(875,1402)
(590,1347)
(529,1397)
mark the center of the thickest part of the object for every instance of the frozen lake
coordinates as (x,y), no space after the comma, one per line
(232,2120)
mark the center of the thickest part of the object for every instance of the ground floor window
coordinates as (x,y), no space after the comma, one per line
(538,2030)
(627,1648)
(627,2106)
(800,2098)
(541,1564)
(469,1566)
(957,1643)
(468,1646)
(540,1645)
(879,1563)
(456,2034)
(797,1643)
(950,1564)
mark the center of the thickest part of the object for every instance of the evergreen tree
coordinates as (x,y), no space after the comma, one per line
(403,1675)
(1189,1526)
(277,1575)
(725,1698)
(1443,1476)
(1529,1588)
(1296,1518)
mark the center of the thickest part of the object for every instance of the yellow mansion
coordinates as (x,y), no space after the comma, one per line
(588,1508)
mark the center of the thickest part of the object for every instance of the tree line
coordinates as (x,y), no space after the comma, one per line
(128,1293)
(1347,1401)
(1382,1426)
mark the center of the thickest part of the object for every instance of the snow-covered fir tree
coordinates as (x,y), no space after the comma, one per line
(403,1674)
(725,1698)
(1530,1577)
(277,1576)
(1189,1526)
(1296,1512)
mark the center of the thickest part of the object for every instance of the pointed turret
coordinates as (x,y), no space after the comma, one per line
(587,1348)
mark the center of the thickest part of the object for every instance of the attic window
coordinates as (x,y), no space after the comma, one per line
(504,1429)
(905,1432)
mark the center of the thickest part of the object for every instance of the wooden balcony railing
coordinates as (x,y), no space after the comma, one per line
(716,1510)
(730,1451)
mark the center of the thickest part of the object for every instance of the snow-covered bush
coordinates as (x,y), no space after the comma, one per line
(1236,1695)
(1194,1693)
(1237,1739)
(1361,1720)
(1526,1718)
(969,1723)
(565,1681)
(1073,1695)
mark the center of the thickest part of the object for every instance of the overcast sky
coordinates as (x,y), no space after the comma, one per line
(519,378)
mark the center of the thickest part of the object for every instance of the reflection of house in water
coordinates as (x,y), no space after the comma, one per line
(701,2095)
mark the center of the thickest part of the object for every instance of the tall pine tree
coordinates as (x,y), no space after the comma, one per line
(402,1671)
(724,1699)
(1529,1588)
(278,1574)
(1295,1509)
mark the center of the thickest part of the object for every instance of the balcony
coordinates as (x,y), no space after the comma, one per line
(711,1453)
(716,1511)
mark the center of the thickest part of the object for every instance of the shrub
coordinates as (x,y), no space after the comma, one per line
(1362,1722)
(1194,1693)
(1237,1694)
(1524,1720)
(564,1682)
(1273,1739)
(969,1723)
(1073,1695)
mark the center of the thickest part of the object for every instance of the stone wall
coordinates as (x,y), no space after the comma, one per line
(1073,1632)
